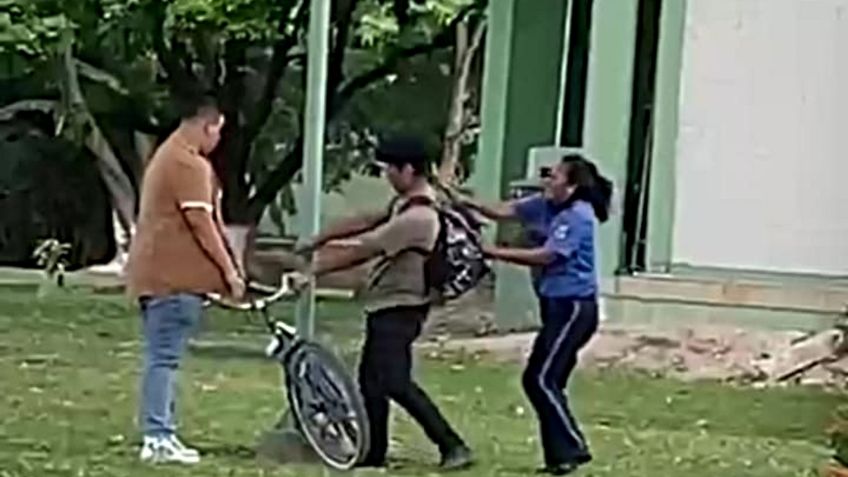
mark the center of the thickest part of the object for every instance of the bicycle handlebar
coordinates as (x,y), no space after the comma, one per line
(275,294)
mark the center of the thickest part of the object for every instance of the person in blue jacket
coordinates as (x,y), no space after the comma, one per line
(560,225)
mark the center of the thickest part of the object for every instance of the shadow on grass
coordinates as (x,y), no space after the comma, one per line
(237,451)
(347,353)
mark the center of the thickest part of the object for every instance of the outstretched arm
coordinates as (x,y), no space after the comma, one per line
(530,257)
(564,237)
(401,233)
(499,211)
(347,228)
(346,258)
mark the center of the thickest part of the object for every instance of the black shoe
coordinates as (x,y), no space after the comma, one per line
(559,469)
(370,464)
(565,468)
(457,458)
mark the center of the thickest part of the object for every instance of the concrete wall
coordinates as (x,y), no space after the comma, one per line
(761,165)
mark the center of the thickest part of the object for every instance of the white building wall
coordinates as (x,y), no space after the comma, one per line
(762,163)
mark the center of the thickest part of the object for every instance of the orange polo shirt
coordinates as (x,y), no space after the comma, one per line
(179,245)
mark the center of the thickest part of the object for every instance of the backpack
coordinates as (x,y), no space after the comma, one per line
(456,263)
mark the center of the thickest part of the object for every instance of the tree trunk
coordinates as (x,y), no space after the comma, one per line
(465,48)
(120,188)
(231,157)
(119,185)
(145,144)
(230,162)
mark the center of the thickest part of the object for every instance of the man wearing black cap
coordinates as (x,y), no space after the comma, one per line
(396,300)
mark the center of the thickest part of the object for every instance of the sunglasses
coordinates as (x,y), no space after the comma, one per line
(545,172)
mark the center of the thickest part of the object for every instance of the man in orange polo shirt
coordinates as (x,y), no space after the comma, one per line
(178,254)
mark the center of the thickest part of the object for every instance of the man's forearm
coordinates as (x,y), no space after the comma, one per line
(344,259)
(531,257)
(228,247)
(350,227)
(207,234)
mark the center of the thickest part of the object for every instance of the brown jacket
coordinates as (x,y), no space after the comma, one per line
(179,246)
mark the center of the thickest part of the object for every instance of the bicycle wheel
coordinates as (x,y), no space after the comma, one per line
(327,406)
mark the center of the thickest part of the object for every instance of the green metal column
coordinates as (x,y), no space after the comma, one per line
(608,105)
(314,122)
(486,178)
(666,127)
(521,90)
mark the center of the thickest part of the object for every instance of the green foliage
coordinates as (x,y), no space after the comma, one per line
(132,55)
(838,434)
(26,31)
(244,20)
(379,28)
(28,37)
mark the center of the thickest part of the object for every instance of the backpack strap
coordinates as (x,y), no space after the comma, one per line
(441,237)
(418,201)
(390,209)
(414,201)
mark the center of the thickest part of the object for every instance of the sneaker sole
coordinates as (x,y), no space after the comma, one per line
(165,461)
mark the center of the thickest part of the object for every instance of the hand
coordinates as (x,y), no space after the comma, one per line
(489,251)
(300,280)
(307,247)
(236,286)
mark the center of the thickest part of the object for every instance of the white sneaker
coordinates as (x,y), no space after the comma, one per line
(161,450)
(182,447)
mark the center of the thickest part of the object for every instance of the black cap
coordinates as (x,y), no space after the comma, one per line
(401,150)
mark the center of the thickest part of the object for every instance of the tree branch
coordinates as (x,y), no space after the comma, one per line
(45,106)
(117,182)
(177,76)
(291,164)
(336,60)
(401,11)
(465,51)
(443,39)
(280,59)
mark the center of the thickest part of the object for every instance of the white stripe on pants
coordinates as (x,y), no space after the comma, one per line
(546,366)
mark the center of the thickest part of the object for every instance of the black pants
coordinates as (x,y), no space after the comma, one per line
(567,325)
(386,373)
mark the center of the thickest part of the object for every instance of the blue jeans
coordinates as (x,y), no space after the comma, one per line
(167,322)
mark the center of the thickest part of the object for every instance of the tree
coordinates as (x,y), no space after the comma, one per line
(459,128)
(395,30)
(139,53)
(38,46)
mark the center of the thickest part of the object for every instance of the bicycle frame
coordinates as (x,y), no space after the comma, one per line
(327,409)
(284,335)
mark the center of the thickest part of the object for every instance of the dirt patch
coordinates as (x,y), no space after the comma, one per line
(759,357)
(762,357)
(472,315)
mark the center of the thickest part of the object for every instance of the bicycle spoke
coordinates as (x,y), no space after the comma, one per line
(326,407)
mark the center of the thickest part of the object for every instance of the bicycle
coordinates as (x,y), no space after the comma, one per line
(326,405)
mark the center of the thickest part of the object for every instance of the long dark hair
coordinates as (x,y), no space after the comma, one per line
(592,187)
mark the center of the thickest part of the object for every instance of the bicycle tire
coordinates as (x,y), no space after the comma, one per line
(312,370)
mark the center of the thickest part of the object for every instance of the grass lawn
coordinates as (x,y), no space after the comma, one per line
(69,370)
